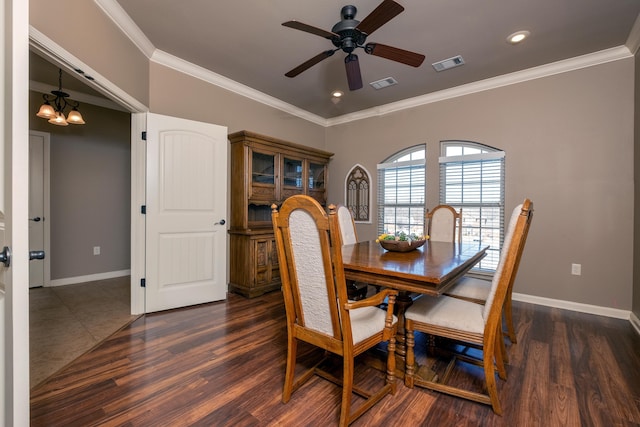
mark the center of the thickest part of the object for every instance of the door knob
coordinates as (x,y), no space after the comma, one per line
(36,219)
(5,256)
(222,222)
(36,255)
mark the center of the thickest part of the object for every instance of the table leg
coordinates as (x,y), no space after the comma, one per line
(403,301)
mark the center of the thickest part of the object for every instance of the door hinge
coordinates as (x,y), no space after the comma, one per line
(144,135)
(143,283)
(143,209)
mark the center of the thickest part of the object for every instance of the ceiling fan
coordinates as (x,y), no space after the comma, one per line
(349,34)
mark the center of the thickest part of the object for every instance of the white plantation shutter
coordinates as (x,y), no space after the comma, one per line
(401,192)
(475,184)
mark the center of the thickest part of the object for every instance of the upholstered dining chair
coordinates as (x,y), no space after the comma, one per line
(355,290)
(318,312)
(477,290)
(468,322)
(442,223)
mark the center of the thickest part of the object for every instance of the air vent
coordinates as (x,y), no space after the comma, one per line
(379,84)
(456,61)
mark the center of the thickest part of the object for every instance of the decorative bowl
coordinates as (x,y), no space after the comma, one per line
(401,245)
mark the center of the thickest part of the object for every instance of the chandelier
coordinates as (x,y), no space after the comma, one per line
(54,105)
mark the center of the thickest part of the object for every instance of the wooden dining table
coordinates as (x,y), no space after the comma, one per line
(430,269)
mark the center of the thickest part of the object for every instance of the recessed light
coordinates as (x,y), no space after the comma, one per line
(518,36)
(337,94)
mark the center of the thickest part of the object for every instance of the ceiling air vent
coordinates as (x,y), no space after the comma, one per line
(456,61)
(379,84)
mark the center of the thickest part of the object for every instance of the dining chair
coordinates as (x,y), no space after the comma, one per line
(477,290)
(355,290)
(468,322)
(442,223)
(318,312)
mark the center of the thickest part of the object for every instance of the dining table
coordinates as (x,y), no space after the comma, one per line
(430,270)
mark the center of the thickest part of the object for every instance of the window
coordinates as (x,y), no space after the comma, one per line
(401,192)
(472,179)
(357,194)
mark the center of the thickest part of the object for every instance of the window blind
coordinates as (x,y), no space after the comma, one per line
(475,184)
(401,195)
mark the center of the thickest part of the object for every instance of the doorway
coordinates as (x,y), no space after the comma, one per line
(86,297)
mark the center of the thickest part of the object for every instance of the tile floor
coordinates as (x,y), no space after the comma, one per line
(66,321)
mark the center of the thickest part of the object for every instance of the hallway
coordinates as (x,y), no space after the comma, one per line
(67,321)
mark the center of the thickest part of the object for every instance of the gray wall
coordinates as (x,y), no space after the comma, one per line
(175,94)
(90,182)
(568,140)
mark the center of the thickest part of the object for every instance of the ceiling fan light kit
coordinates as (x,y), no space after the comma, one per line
(349,34)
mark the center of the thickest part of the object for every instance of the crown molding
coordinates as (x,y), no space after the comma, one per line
(119,17)
(124,22)
(559,67)
(168,60)
(633,41)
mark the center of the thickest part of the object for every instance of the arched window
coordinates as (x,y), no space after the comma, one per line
(401,192)
(472,179)
(358,188)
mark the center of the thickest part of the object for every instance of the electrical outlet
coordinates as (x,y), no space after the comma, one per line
(576,269)
(96,250)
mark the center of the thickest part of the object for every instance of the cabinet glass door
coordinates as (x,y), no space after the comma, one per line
(292,173)
(263,168)
(316,176)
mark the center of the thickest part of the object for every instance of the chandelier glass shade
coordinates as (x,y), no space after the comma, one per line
(54,105)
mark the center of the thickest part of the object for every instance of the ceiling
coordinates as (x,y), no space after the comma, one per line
(244,41)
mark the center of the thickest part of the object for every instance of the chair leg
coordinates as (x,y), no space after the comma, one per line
(391,363)
(409,355)
(492,389)
(508,314)
(499,353)
(347,390)
(290,369)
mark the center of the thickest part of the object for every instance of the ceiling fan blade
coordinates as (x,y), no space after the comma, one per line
(354,78)
(394,54)
(310,63)
(310,29)
(385,12)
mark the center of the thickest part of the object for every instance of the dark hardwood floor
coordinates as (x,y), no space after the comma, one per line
(222,364)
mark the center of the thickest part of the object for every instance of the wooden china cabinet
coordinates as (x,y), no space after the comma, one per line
(264,171)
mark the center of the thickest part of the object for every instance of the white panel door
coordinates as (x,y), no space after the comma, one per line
(186,243)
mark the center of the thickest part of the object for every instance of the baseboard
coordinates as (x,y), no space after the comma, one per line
(90,278)
(635,322)
(573,306)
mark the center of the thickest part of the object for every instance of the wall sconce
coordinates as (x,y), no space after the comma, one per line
(53,107)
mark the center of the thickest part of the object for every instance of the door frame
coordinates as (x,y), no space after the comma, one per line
(57,55)
(46,175)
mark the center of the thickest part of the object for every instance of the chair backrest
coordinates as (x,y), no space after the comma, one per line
(443,220)
(308,242)
(347,225)
(515,238)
